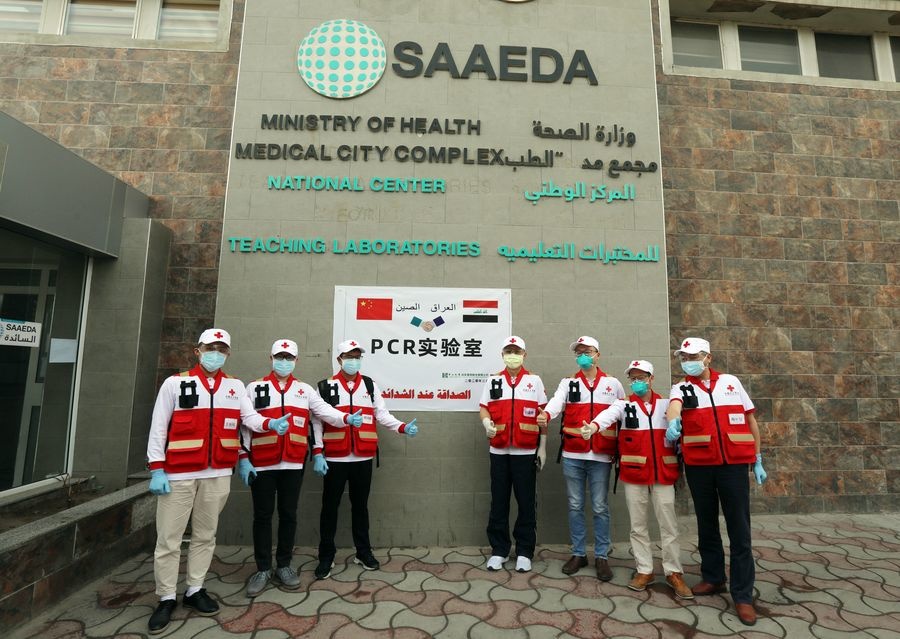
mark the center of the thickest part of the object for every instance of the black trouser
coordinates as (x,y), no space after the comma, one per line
(728,484)
(269,484)
(359,475)
(517,474)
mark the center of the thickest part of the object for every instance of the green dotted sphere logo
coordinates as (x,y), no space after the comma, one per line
(341,58)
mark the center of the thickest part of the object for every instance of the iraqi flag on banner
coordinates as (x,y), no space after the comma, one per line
(374,308)
(481,311)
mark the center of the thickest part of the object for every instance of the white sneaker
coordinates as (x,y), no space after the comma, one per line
(523,564)
(495,563)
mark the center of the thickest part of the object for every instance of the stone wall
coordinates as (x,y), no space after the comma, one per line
(782,229)
(157,119)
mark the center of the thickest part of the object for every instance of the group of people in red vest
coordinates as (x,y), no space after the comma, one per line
(205,424)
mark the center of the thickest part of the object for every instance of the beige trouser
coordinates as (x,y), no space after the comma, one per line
(201,501)
(638,499)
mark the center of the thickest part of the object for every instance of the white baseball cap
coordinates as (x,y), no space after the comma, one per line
(285,346)
(585,340)
(513,340)
(693,345)
(212,335)
(349,345)
(641,365)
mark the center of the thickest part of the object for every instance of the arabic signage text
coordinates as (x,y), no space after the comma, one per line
(17,333)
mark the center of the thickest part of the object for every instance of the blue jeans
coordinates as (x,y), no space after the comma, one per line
(576,472)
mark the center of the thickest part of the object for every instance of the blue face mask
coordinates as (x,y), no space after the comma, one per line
(694,369)
(351,366)
(584,361)
(639,387)
(283,367)
(212,360)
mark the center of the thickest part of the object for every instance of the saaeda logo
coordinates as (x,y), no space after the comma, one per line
(341,58)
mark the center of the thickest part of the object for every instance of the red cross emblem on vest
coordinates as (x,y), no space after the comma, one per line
(218,334)
(730,387)
(609,389)
(529,386)
(300,392)
(231,392)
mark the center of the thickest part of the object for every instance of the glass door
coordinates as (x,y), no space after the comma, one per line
(41,293)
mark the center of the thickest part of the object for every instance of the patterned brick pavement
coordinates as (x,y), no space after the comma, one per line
(817,576)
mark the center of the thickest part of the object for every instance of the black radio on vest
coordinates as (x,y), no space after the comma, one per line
(574,392)
(262,399)
(688,396)
(631,420)
(188,397)
(496,389)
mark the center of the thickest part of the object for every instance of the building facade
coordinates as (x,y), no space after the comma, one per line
(776,203)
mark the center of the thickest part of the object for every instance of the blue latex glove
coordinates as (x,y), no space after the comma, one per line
(320,466)
(673,432)
(759,471)
(246,471)
(281,424)
(159,482)
(355,419)
(411,429)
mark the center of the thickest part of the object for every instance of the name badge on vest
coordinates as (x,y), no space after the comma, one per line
(529,412)
(367,419)
(737,418)
(231,423)
(299,421)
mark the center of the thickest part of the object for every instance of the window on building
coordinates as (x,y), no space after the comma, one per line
(895,51)
(696,45)
(845,56)
(20,16)
(189,20)
(101,17)
(769,50)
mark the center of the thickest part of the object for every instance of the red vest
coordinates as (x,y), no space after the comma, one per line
(362,441)
(583,403)
(644,457)
(269,400)
(714,421)
(203,431)
(514,408)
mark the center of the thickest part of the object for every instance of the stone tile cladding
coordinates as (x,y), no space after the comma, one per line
(158,119)
(782,231)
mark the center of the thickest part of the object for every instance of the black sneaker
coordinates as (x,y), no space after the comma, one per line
(201,602)
(160,618)
(367,560)
(323,570)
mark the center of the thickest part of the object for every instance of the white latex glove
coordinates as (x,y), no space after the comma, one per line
(489,429)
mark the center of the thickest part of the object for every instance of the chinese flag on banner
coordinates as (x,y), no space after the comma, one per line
(374,308)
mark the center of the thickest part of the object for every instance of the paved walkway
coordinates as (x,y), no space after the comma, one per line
(817,576)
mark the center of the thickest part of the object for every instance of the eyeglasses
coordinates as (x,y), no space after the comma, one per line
(687,357)
(638,378)
(284,358)
(586,351)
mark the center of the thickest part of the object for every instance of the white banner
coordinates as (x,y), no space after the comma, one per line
(16,333)
(428,349)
